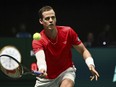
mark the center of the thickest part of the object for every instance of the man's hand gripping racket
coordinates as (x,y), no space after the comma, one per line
(10,63)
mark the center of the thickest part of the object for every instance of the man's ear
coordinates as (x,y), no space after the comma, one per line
(40,21)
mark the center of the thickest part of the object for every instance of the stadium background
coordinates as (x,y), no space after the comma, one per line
(83,16)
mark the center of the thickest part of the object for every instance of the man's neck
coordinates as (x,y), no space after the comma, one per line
(51,33)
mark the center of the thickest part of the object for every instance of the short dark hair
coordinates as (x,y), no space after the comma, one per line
(43,9)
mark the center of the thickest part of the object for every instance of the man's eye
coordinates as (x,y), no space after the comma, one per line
(53,17)
(47,18)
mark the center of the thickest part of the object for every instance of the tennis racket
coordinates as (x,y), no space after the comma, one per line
(10,63)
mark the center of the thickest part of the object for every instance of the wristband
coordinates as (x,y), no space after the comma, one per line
(89,61)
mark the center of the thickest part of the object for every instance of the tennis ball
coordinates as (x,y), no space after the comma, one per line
(36,36)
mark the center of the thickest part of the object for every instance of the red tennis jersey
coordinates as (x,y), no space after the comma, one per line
(57,52)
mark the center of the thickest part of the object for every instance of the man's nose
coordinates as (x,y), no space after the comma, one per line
(50,19)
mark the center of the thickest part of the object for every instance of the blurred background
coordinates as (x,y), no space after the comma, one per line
(93,20)
(84,16)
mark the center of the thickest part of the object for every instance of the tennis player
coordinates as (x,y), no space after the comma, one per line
(53,52)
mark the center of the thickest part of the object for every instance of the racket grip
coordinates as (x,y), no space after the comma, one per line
(37,73)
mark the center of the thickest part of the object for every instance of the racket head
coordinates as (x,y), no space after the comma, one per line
(10,62)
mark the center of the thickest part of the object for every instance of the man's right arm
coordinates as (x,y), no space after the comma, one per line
(41,62)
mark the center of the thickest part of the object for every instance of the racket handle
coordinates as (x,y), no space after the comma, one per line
(37,73)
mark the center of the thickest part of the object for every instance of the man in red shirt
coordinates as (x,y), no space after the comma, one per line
(53,52)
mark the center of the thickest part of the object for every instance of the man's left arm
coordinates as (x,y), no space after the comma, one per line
(88,60)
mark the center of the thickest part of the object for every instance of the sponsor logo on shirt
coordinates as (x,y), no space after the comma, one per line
(64,42)
(78,39)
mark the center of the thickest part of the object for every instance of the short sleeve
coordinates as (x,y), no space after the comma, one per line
(74,37)
(36,45)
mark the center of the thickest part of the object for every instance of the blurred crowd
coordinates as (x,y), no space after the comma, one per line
(105,38)
(21,32)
